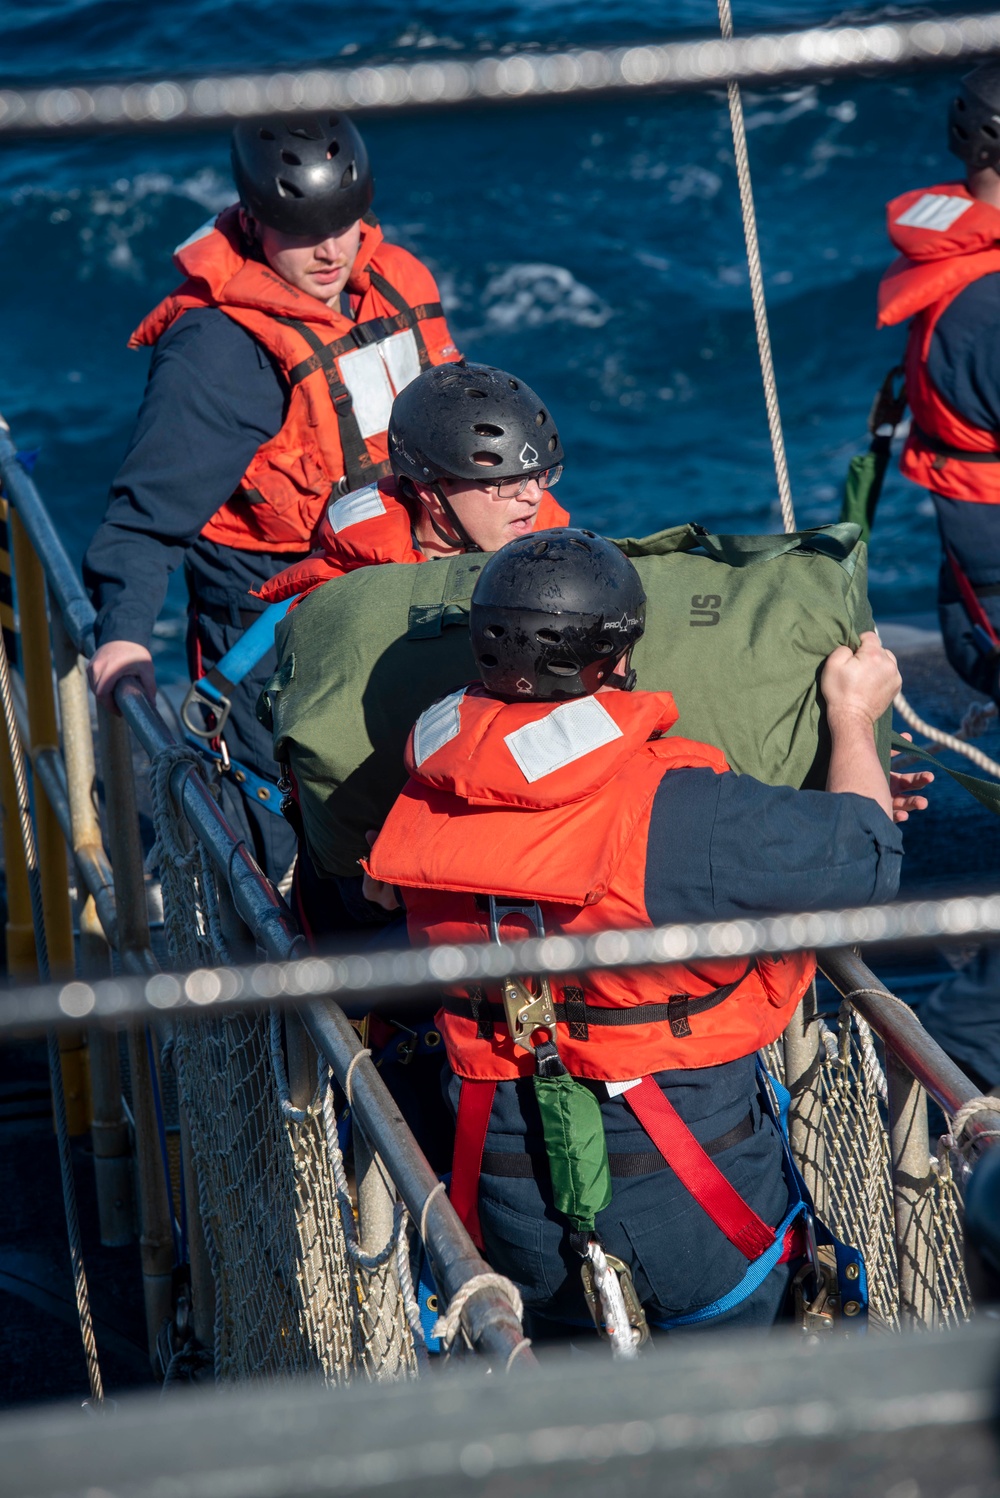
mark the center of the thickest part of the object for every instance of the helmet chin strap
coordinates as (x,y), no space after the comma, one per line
(465,541)
(626,683)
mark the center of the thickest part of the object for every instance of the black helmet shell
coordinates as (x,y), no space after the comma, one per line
(553,613)
(470,421)
(974,118)
(308,176)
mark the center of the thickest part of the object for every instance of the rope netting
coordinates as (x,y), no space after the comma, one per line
(840,1138)
(294,1292)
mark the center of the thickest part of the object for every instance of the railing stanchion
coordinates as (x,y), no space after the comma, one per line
(36,664)
(376,1208)
(801,1046)
(109,1130)
(912,1180)
(155,1237)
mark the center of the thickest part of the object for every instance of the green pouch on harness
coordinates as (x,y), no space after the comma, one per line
(576,1148)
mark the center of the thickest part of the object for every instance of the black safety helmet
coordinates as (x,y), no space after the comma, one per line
(974,118)
(470,421)
(553,613)
(308,176)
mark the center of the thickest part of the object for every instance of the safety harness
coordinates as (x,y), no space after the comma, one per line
(581,1169)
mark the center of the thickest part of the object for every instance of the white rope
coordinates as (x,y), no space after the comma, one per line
(435,1191)
(345,1205)
(946,740)
(757,284)
(449,1323)
(410,1306)
(624,1338)
(961,1120)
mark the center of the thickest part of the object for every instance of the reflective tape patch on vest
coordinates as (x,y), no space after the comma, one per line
(363,504)
(376,374)
(566,734)
(437,726)
(934,211)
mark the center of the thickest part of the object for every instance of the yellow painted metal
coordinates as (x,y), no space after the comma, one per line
(21,959)
(43,729)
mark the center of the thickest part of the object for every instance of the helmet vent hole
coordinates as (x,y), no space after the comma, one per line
(547,636)
(484,429)
(267,135)
(487,460)
(290,159)
(488,660)
(476,395)
(350,176)
(553,443)
(991,131)
(562,668)
(332,150)
(513,385)
(604,647)
(288,189)
(580,545)
(540,419)
(307,130)
(495,631)
(540,548)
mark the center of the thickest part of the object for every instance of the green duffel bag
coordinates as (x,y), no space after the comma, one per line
(737,627)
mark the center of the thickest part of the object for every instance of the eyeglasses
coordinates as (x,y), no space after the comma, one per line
(514,488)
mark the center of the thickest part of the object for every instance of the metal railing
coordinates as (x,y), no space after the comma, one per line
(916,1065)
(85,107)
(116,888)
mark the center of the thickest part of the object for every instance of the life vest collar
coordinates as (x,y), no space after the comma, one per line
(947,240)
(532,754)
(218,260)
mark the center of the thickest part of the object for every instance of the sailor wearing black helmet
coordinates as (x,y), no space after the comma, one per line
(552,797)
(474,454)
(947,279)
(275,367)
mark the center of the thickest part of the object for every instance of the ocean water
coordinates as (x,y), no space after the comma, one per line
(595,248)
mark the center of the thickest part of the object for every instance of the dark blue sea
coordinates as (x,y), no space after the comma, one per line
(596,248)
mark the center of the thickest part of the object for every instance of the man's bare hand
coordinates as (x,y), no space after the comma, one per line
(860,683)
(114,660)
(901,788)
(374,889)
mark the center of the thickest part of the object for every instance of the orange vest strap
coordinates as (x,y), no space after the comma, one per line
(475,1104)
(697,1171)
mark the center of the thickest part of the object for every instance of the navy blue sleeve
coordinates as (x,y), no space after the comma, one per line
(212,398)
(964,357)
(724,846)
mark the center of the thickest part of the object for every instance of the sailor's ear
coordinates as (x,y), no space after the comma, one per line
(248,225)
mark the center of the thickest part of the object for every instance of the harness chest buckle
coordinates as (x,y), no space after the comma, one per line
(525,1012)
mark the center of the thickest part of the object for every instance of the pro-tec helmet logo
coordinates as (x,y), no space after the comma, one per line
(527,457)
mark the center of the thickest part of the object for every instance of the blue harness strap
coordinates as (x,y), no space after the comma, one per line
(851,1276)
(212,691)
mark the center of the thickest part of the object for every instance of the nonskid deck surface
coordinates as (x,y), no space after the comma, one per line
(951,846)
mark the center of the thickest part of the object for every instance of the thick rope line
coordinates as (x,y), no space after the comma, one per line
(55,1060)
(757,284)
(946,740)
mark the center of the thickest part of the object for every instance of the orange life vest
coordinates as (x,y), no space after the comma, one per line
(947,239)
(342,375)
(363,529)
(535,802)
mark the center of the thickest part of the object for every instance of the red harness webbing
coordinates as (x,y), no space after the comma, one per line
(475,1104)
(692,1166)
(697,1171)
